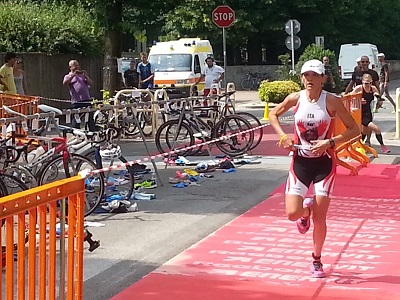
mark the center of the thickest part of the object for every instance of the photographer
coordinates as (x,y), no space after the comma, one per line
(79,83)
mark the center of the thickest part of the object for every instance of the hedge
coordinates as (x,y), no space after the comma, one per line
(276,91)
(49,28)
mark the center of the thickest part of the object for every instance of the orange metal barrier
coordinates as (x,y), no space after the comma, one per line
(348,149)
(35,265)
(24,104)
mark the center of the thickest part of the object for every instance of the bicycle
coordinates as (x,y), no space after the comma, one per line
(226,108)
(252,81)
(55,163)
(120,183)
(182,132)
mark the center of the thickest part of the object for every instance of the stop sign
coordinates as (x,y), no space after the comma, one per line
(223,16)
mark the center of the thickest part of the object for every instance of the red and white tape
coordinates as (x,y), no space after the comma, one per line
(22,103)
(87,173)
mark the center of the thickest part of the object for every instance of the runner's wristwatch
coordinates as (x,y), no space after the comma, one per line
(332,143)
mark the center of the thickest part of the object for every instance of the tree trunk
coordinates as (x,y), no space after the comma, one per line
(112,49)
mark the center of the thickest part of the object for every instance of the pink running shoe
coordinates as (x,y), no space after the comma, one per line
(385,149)
(303,224)
(317,270)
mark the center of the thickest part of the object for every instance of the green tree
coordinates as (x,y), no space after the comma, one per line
(48,27)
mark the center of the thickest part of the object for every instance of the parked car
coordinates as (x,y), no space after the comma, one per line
(349,54)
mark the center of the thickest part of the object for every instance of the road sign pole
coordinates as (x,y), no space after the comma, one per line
(224,50)
(292,38)
(223,16)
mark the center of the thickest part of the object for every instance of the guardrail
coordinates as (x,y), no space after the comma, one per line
(26,105)
(35,266)
(352,103)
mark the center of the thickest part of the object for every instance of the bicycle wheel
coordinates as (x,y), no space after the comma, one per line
(146,122)
(130,127)
(168,131)
(56,170)
(246,84)
(12,184)
(254,122)
(240,142)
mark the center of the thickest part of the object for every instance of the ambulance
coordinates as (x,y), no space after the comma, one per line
(178,64)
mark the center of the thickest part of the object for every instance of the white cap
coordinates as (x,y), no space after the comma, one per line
(381,55)
(313,65)
(358,59)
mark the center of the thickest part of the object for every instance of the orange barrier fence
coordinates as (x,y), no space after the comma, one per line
(26,105)
(36,265)
(355,148)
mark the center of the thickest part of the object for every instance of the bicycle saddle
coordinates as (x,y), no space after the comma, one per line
(47,108)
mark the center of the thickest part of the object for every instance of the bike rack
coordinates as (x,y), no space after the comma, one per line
(4,121)
(188,102)
(230,87)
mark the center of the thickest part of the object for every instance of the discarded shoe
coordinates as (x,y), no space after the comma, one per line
(180,185)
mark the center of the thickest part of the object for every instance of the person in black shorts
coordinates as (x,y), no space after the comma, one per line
(313,160)
(368,93)
(358,74)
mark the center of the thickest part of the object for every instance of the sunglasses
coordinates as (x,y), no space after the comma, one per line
(367,82)
(365,61)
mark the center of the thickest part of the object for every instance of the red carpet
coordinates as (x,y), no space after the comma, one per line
(260,255)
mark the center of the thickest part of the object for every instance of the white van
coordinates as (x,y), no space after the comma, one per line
(348,55)
(178,64)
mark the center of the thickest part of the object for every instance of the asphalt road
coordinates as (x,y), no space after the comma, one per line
(134,244)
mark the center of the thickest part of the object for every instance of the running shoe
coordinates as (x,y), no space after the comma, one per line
(304,223)
(317,270)
(385,149)
(147,184)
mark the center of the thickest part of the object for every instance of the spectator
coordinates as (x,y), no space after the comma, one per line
(212,74)
(79,83)
(384,83)
(329,84)
(358,62)
(131,76)
(146,72)
(7,84)
(20,78)
(358,74)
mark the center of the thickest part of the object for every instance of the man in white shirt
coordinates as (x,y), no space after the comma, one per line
(213,74)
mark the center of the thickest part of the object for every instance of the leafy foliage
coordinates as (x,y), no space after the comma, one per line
(48,27)
(316,52)
(276,91)
(284,71)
